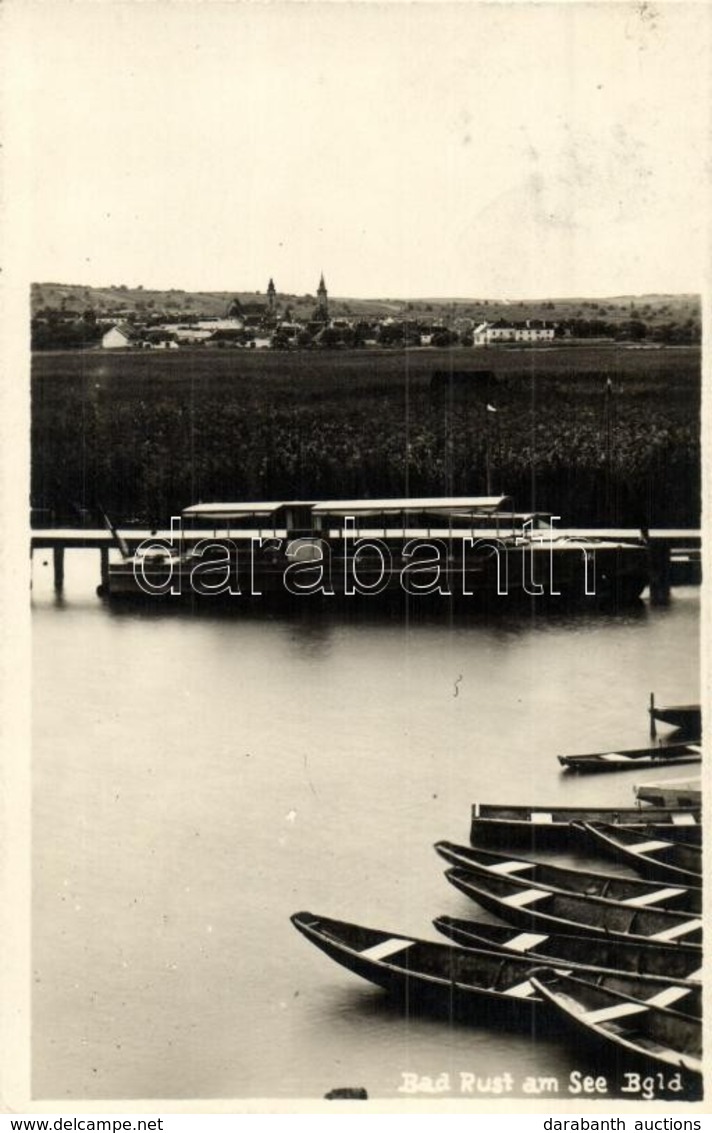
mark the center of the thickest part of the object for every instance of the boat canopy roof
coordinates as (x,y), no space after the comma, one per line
(455,505)
(461,506)
(235,510)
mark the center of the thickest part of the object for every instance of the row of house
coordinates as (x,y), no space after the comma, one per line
(286,333)
(210,332)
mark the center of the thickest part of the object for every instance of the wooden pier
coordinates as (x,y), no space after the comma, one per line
(675,554)
(58,540)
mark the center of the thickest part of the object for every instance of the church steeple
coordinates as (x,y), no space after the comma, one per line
(271,295)
(322,300)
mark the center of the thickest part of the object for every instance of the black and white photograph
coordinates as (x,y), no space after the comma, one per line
(353,477)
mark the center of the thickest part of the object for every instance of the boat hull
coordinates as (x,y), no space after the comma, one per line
(564,949)
(554,827)
(644,894)
(630,1034)
(672,794)
(446,990)
(309,567)
(547,910)
(636,759)
(686,717)
(655,858)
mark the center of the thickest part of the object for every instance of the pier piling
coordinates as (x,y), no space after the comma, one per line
(659,573)
(104,553)
(58,557)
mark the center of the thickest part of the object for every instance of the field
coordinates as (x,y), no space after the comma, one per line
(145,434)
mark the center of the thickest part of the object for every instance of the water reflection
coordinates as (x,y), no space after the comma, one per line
(467,1058)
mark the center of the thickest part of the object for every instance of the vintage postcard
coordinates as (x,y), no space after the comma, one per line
(354,674)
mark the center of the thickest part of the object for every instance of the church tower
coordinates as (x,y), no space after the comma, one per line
(271,296)
(322,301)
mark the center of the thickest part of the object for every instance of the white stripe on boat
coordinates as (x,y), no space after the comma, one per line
(694,747)
(648,847)
(523,941)
(521,991)
(616,757)
(677,930)
(667,996)
(696,976)
(510,867)
(654,898)
(684,820)
(604,1014)
(542,816)
(687,1061)
(387,948)
(526,897)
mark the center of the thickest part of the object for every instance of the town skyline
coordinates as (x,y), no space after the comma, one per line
(65,316)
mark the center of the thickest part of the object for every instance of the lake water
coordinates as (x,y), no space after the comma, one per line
(198,777)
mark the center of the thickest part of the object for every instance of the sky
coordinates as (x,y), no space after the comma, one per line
(489,150)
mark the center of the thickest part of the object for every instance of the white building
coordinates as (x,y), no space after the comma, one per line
(533,330)
(219,324)
(189,333)
(120,337)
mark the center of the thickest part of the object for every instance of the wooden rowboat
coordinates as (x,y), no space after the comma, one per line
(552,827)
(634,758)
(644,1034)
(469,984)
(657,858)
(538,909)
(561,949)
(455,982)
(631,891)
(671,792)
(686,717)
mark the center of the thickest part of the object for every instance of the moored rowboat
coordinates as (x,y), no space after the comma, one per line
(687,717)
(634,758)
(657,858)
(542,909)
(631,891)
(671,792)
(654,1037)
(456,982)
(540,827)
(562,949)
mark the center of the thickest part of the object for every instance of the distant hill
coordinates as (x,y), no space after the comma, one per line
(117,301)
